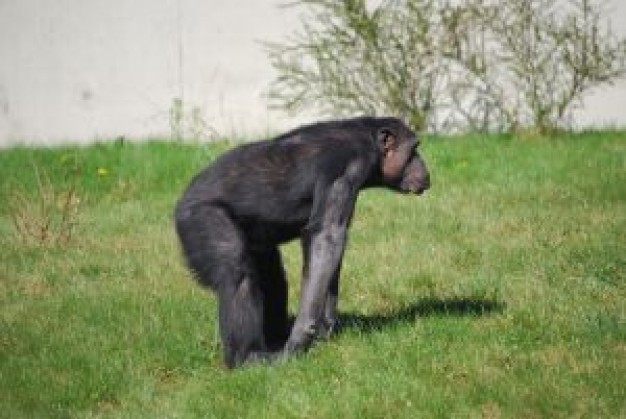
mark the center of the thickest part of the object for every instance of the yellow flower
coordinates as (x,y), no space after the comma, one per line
(102,171)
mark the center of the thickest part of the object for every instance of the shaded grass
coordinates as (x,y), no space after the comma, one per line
(501,293)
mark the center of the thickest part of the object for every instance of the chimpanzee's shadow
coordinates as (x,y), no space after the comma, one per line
(425,307)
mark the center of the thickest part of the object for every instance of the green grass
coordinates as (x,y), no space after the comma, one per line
(501,293)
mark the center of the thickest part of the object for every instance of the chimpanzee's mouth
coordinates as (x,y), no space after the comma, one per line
(417,189)
(414,188)
(422,188)
(413,191)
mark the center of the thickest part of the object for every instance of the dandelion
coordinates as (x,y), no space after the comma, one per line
(103,171)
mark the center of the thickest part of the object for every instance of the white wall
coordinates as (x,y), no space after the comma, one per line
(75,70)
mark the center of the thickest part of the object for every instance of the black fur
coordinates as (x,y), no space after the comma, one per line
(236,212)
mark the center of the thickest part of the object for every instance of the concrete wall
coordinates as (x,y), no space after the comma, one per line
(75,70)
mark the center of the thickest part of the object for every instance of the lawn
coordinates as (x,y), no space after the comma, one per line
(500,293)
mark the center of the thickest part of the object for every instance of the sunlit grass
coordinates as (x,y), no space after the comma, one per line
(501,293)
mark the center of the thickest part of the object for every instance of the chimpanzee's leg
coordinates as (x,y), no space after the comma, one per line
(274,288)
(217,252)
(240,317)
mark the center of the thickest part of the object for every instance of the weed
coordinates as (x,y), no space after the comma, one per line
(48,217)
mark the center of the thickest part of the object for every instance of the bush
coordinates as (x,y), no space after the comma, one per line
(466,65)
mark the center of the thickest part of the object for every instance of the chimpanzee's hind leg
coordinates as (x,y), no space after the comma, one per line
(274,287)
(217,252)
(241,318)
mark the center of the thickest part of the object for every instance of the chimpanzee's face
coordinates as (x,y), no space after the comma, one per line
(402,166)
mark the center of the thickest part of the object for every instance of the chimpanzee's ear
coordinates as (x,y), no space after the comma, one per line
(387,141)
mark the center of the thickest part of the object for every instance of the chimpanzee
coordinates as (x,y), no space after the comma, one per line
(304,183)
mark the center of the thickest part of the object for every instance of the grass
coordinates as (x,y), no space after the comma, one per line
(501,293)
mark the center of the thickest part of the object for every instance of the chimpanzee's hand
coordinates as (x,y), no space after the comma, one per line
(328,327)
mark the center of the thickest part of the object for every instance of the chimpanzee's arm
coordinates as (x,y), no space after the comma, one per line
(332,210)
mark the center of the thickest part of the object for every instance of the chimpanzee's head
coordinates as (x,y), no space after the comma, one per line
(401,166)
